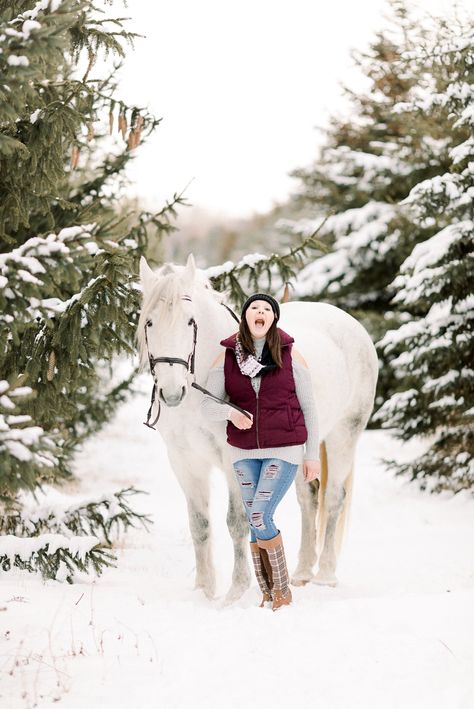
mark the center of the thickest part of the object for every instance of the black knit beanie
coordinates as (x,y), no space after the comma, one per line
(267,298)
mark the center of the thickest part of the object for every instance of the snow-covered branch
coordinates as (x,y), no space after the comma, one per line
(55,555)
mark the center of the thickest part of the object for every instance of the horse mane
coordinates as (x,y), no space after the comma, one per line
(165,300)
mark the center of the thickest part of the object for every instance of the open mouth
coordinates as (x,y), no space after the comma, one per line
(259,322)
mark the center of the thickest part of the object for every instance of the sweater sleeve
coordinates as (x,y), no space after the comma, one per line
(304,392)
(215,383)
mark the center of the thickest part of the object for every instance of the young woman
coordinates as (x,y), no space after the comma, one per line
(261,373)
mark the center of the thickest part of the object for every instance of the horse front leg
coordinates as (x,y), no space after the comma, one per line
(194,481)
(307,496)
(237,524)
(199,525)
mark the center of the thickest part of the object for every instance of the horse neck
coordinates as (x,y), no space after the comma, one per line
(214,324)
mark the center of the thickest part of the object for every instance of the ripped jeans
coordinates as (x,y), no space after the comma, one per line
(263,482)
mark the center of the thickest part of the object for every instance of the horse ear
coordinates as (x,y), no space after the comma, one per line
(190,267)
(147,277)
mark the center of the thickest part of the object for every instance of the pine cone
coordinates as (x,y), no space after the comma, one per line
(75,156)
(51,366)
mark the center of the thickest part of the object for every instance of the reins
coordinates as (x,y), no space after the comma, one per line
(189,364)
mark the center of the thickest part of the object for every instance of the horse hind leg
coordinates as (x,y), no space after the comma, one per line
(340,444)
(307,496)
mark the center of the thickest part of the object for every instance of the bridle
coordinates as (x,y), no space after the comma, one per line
(189,364)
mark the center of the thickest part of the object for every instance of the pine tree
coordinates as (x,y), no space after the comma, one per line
(368,163)
(367,167)
(68,256)
(434,354)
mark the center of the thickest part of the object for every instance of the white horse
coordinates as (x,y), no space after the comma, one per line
(344,368)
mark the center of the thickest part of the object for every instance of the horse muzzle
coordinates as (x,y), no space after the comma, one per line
(172,399)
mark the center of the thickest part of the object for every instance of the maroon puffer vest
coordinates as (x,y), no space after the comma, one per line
(277,416)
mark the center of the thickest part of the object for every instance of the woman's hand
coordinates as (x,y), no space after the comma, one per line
(311,470)
(240,420)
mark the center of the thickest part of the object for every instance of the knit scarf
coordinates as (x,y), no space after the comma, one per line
(249,364)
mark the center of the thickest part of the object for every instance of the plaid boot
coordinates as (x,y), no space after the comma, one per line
(261,572)
(281,592)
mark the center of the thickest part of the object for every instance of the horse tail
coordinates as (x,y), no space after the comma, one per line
(322,511)
(343,520)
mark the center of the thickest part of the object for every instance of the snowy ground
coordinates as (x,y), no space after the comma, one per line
(396,632)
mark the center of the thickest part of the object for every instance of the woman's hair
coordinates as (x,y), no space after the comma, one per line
(273,341)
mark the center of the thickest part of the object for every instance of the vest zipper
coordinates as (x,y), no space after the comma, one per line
(256,424)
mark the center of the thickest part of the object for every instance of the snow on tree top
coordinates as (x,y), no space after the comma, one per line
(28,27)
(21,391)
(72,232)
(51,5)
(361,233)
(37,246)
(248,260)
(344,160)
(448,400)
(15,60)
(434,250)
(52,503)
(35,115)
(6,402)
(440,382)
(435,330)
(447,183)
(466,117)
(24,547)
(462,151)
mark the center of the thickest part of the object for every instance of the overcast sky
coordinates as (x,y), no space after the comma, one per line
(241,87)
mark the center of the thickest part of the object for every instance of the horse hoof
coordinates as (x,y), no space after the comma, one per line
(228,601)
(234,594)
(298,581)
(209,592)
(302,577)
(325,579)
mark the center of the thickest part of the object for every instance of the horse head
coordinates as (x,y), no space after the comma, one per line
(167,328)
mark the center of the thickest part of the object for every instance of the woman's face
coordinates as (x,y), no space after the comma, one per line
(259,316)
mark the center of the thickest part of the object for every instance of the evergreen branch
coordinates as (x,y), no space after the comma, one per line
(87,34)
(107,516)
(231,275)
(88,70)
(75,323)
(54,556)
(425,52)
(101,409)
(27,453)
(448,464)
(162,218)
(79,85)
